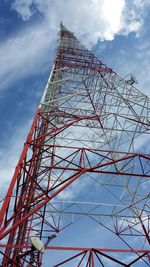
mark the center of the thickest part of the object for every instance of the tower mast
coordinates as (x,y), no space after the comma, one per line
(85,134)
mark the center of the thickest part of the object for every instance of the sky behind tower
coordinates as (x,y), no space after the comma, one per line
(117,31)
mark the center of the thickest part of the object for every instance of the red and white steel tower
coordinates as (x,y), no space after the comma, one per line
(80,168)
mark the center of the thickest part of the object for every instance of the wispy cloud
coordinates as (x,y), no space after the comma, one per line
(96,19)
(28,52)
(25,54)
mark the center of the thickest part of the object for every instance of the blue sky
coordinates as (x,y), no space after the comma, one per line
(118,33)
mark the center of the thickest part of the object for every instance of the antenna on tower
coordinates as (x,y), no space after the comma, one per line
(38,244)
(132,79)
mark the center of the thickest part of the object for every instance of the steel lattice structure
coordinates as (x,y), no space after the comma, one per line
(84,143)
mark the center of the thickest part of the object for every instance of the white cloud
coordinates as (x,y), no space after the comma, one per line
(137,61)
(25,54)
(140,3)
(25,8)
(75,189)
(93,18)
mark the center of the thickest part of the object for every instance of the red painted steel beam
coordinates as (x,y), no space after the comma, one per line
(99,249)
(81,249)
(18,168)
(147,156)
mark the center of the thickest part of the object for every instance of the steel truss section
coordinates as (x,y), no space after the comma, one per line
(81,164)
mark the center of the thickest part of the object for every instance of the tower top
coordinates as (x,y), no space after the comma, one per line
(68,39)
(62,27)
